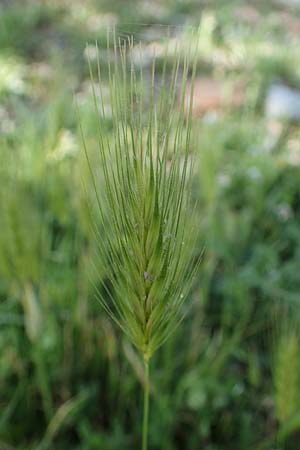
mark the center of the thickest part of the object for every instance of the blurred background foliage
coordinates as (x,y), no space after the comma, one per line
(230,378)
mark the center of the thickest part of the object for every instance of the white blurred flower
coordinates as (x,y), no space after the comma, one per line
(12,74)
(66,147)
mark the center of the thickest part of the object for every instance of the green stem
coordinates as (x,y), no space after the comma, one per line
(146,405)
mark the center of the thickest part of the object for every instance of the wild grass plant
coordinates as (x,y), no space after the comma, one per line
(143,220)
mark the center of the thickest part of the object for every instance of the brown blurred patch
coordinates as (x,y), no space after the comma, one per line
(290,22)
(214,95)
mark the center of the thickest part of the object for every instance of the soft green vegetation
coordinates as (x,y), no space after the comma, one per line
(228,378)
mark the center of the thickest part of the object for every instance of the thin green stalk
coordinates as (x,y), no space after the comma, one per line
(146,405)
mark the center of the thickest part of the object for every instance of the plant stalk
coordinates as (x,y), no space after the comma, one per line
(146,404)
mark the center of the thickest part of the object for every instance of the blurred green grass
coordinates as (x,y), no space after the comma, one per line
(64,382)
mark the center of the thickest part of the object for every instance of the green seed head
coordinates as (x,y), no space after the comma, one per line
(145,240)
